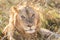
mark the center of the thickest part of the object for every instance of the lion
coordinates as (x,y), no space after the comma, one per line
(25,24)
(24,19)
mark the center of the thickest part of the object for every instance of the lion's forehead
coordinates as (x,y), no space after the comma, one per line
(27,11)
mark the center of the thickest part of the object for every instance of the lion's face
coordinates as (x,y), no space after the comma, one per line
(28,19)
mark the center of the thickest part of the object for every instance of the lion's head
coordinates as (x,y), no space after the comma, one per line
(27,19)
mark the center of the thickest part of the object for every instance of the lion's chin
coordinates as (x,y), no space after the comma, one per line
(30,31)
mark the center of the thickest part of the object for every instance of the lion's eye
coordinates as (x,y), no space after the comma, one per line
(33,15)
(22,16)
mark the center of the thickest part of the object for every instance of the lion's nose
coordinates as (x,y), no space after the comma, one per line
(29,25)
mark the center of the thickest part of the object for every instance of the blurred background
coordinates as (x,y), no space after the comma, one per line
(50,13)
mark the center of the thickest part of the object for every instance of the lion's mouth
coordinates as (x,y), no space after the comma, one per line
(30,31)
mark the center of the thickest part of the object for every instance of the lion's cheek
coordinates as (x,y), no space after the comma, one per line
(33,27)
(26,28)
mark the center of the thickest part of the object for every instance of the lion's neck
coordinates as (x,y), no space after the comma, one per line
(26,36)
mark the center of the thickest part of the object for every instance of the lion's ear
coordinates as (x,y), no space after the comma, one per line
(14,10)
